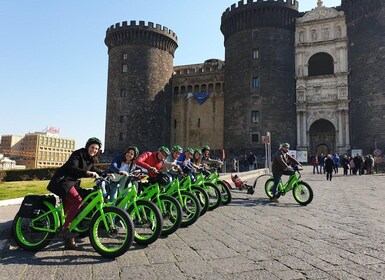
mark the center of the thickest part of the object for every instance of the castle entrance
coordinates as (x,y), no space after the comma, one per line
(322,137)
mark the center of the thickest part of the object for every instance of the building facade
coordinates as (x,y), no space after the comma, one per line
(38,150)
(313,79)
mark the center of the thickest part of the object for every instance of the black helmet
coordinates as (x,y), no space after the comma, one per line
(93,140)
(135,149)
(164,149)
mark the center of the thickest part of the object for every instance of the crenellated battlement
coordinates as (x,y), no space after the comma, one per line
(140,33)
(259,13)
(142,26)
(247,3)
(357,9)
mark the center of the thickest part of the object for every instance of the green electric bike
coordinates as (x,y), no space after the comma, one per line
(109,228)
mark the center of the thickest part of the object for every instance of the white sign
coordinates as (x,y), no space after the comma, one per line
(356,152)
(302,156)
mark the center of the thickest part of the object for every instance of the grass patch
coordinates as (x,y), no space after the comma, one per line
(10,190)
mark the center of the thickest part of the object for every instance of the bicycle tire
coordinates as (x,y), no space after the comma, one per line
(29,239)
(191,209)
(268,186)
(214,195)
(113,241)
(225,192)
(303,193)
(203,198)
(148,226)
(171,212)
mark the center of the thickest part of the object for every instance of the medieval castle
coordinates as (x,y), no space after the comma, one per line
(314,79)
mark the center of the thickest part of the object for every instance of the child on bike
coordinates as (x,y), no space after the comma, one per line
(121,166)
(66,184)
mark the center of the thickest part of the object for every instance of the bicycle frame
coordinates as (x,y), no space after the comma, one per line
(94,201)
(290,183)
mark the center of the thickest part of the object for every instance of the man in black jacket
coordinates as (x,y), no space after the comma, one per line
(281,166)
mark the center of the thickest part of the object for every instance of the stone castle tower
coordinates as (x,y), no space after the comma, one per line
(366,48)
(140,67)
(313,79)
(259,75)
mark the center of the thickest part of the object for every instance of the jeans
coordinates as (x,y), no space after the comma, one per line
(72,203)
(277,179)
(315,167)
(117,187)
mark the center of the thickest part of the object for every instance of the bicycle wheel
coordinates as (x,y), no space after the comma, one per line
(203,198)
(303,193)
(225,192)
(171,212)
(191,209)
(114,238)
(36,233)
(214,195)
(148,221)
(268,187)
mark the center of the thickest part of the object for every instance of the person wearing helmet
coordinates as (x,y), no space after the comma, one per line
(206,160)
(66,184)
(170,165)
(184,160)
(153,161)
(281,166)
(197,157)
(121,166)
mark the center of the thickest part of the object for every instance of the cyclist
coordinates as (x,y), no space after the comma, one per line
(170,165)
(121,166)
(66,184)
(281,166)
(153,162)
(206,160)
(184,160)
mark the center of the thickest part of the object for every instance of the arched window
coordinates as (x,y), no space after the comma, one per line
(321,64)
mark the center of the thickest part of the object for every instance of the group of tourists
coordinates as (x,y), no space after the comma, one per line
(82,163)
(329,164)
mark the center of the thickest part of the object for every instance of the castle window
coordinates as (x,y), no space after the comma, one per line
(125,56)
(123,92)
(255,137)
(199,122)
(121,138)
(254,116)
(255,53)
(255,82)
(174,123)
(124,68)
(255,34)
(122,119)
(321,64)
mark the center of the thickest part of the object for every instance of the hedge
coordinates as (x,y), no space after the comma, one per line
(34,174)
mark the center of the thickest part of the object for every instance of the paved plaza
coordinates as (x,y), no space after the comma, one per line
(340,235)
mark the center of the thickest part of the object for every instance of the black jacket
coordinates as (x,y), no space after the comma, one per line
(70,173)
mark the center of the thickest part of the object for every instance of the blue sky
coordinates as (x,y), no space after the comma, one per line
(53,61)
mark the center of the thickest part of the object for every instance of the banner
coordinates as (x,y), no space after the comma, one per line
(201,97)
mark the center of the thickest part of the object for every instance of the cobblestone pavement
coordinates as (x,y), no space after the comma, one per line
(340,235)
